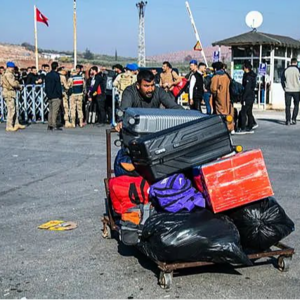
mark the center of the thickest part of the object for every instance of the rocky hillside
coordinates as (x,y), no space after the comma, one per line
(15,53)
(183,56)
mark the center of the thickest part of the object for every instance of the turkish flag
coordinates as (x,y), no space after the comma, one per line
(41,18)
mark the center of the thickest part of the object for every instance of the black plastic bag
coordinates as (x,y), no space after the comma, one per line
(261,224)
(192,236)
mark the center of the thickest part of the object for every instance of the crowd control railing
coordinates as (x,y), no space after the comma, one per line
(31,104)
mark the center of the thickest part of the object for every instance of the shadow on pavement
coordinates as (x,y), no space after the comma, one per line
(280,122)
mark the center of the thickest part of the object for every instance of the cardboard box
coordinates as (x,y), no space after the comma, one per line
(234,181)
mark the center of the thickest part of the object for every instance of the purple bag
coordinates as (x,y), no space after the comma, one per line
(176,193)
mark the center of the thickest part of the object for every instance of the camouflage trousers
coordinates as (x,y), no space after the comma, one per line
(12,117)
(76,105)
(66,107)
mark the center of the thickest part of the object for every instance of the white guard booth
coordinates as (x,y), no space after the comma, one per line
(271,51)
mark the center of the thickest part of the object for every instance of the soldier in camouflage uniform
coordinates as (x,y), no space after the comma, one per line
(65,88)
(77,84)
(10,86)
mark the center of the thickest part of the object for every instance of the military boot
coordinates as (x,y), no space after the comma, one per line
(11,128)
(68,124)
(19,126)
(81,123)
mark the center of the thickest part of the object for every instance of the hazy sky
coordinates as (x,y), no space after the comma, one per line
(106,25)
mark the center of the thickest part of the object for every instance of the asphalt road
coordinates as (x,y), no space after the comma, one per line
(59,175)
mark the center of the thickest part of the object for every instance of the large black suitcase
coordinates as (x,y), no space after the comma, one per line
(138,122)
(176,149)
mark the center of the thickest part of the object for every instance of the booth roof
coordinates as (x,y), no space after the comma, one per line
(259,38)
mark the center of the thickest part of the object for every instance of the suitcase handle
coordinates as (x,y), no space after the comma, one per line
(184,142)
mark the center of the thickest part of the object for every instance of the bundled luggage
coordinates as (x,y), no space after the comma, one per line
(127,192)
(196,236)
(261,224)
(174,217)
(176,193)
(234,181)
(138,122)
(182,147)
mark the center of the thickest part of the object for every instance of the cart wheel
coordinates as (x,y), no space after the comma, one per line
(284,263)
(165,280)
(106,231)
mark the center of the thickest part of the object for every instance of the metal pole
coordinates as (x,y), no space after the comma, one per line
(259,85)
(195,30)
(36,40)
(75,34)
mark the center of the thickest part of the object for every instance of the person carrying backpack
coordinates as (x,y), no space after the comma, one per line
(126,79)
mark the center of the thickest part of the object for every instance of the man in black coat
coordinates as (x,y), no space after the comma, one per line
(54,93)
(249,84)
(98,91)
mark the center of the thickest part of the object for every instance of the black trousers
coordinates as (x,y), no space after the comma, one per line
(197,104)
(288,101)
(100,101)
(247,115)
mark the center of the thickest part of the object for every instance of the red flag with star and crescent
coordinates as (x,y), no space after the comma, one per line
(41,18)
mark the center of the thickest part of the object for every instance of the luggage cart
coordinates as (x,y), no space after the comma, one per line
(110,230)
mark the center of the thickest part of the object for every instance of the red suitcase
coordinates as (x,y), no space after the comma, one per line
(234,181)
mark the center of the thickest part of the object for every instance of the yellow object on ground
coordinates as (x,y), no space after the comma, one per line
(58,225)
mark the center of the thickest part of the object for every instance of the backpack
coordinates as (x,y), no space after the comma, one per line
(176,193)
(132,223)
(207,82)
(127,192)
(125,81)
(123,164)
(180,87)
(236,91)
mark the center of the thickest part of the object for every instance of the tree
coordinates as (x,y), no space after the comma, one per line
(88,54)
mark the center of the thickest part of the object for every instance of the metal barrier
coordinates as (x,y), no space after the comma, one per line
(31,104)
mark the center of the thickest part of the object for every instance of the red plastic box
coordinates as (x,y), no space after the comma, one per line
(235,181)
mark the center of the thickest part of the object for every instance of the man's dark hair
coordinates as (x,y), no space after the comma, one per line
(217,65)
(145,75)
(293,60)
(33,68)
(167,64)
(60,69)
(78,67)
(46,66)
(95,68)
(201,64)
(247,65)
(54,66)
(118,66)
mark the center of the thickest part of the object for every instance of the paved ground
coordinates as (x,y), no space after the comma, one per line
(59,175)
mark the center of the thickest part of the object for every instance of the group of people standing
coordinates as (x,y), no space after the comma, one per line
(212,85)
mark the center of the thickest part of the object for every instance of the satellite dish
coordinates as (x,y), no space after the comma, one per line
(254,19)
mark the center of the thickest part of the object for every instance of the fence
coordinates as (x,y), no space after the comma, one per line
(31,103)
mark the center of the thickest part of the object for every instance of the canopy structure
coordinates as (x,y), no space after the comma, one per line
(269,54)
(259,38)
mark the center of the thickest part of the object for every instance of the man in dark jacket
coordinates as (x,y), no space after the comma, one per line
(98,92)
(196,89)
(33,77)
(54,93)
(145,94)
(249,84)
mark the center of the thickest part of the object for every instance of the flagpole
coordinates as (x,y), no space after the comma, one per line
(75,34)
(195,30)
(36,40)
